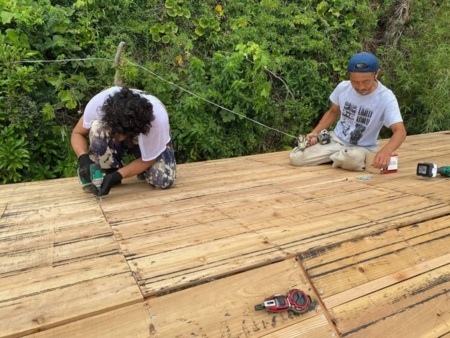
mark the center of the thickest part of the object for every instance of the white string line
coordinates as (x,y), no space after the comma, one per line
(63,60)
(166,81)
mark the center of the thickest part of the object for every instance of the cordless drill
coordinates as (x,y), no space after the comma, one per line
(323,138)
(96,174)
(431,170)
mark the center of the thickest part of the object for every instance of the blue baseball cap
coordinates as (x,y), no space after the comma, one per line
(363,63)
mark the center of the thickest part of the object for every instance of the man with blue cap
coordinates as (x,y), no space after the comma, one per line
(362,105)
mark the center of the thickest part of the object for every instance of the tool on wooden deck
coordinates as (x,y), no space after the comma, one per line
(323,138)
(96,176)
(431,170)
(295,300)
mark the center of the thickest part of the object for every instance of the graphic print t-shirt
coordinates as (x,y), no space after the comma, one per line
(363,116)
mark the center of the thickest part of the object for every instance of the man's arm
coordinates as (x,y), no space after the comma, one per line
(383,157)
(325,122)
(78,138)
(136,167)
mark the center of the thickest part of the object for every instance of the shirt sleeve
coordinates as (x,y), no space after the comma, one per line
(392,112)
(93,110)
(334,96)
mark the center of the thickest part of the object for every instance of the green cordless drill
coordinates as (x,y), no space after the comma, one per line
(431,170)
(96,174)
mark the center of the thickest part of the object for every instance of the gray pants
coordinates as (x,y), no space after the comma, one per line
(110,154)
(342,156)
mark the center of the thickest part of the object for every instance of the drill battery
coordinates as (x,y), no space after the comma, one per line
(324,137)
(432,169)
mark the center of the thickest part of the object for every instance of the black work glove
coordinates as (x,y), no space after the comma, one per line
(109,181)
(84,162)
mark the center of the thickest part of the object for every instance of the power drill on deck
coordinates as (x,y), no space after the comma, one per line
(96,174)
(323,138)
(431,170)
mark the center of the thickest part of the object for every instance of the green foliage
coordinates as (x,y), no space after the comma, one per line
(221,68)
(13,155)
(418,69)
(34,98)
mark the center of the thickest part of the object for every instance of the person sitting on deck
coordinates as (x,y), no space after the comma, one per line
(363,105)
(121,121)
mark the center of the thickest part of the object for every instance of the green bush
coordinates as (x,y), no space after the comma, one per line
(221,68)
(418,69)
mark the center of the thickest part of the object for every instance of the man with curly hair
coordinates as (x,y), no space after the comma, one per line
(120,121)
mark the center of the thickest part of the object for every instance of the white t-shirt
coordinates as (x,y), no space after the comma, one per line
(363,116)
(151,144)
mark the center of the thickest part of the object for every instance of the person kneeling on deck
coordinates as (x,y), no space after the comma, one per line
(121,121)
(363,106)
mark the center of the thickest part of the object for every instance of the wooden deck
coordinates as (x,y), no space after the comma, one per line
(193,261)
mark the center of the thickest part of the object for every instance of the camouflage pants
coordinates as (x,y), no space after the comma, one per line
(111,153)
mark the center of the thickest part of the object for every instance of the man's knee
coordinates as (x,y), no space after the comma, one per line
(163,173)
(350,158)
(296,157)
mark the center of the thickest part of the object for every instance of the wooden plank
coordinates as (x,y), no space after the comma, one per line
(348,265)
(151,235)
(225,307)
(417,307)
(228,312)
(192,264)
(386,283)
(43,298)
(59,262)
(54,235)
(130,321)
(314,327)
(33,193)
(383,282)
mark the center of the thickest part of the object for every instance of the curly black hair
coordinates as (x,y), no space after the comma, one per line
(127,113)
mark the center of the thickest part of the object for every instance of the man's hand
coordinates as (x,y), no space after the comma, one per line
(109,181)
(382,159)
(84,162)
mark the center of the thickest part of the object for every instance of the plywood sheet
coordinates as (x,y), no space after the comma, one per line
(225,307)
(169,243)
(344,266)
(59,262)
(417,307)
(221,308)
(394,283)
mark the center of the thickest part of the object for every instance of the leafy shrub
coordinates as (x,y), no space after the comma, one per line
(221,68)
(418,69)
